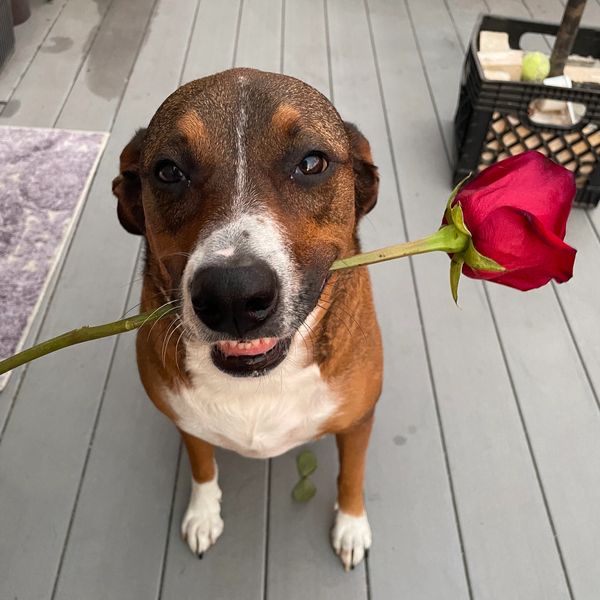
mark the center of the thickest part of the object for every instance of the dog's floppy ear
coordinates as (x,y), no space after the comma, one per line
(366,177)
(127,187)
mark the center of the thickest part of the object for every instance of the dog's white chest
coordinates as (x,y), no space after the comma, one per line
(256,417)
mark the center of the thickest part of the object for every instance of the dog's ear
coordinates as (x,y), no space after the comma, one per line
(366,177)
(127,187)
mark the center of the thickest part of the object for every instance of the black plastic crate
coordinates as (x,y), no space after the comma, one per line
(492,120)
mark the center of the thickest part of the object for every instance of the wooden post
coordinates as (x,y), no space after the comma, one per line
(566,36)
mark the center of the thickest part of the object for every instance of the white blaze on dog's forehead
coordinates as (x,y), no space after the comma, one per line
(240,143)
(226,252)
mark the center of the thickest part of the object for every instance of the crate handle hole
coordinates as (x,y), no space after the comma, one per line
(537,42)
(555,113)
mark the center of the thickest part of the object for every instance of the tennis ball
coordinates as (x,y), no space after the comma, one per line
(535,66)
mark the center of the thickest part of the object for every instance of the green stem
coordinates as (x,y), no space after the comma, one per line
(77,336)
(447,239)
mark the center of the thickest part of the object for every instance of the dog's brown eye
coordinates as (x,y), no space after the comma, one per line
(169,172)
(312,164)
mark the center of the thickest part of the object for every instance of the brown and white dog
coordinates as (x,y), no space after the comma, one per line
(247,186)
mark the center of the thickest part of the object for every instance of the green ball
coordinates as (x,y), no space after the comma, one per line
(535,67)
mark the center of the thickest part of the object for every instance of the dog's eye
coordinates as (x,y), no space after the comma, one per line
(168,172)
(312,164)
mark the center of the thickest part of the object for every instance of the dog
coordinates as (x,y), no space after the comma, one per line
(247,186)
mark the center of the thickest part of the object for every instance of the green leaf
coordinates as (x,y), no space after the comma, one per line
(477,261)
(456,265)
(304,490)
(306,462)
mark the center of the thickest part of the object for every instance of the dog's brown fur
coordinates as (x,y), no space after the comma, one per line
(322,222)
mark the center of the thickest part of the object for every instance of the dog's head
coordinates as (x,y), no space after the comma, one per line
(247,186)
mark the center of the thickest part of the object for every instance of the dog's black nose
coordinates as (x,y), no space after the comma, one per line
(235,299)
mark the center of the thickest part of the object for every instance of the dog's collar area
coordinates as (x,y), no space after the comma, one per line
(249,358)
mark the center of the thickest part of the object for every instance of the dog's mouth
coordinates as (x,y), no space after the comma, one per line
(245,358)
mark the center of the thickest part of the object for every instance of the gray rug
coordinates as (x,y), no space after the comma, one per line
(44,178)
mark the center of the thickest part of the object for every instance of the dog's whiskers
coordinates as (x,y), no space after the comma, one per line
(173,327)
(183,331)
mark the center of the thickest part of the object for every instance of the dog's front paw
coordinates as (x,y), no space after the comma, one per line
(351,538)
(202,524)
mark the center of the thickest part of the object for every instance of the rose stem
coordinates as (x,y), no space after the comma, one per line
(77,336)
(446,239)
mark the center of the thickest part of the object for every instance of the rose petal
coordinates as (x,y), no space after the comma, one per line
(521,243)
(527,181)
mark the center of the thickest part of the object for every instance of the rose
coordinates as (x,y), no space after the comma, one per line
(516,213)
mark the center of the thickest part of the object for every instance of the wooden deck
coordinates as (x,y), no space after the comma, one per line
(484,468)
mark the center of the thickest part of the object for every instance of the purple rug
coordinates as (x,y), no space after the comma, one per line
(44,178)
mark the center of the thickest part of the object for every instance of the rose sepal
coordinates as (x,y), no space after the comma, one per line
(454,216)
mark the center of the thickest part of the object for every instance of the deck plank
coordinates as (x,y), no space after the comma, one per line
(508,540)
(45,444)
(94,98)
(414,525)
(29,36)
(43,89)
(208,52)
(259,43)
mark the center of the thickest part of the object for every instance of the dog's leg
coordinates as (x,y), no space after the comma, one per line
(202,523)
(351,533)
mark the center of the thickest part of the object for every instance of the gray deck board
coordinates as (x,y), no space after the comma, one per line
(209,53)
(482,477)
(259,41)
(97,90)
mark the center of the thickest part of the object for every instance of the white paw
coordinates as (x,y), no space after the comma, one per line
(202,524)
(351,538)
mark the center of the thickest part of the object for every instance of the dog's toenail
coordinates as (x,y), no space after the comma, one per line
(201,555)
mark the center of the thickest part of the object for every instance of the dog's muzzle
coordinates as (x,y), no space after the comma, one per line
(239,300)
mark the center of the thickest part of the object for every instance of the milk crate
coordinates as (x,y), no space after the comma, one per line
(492,119)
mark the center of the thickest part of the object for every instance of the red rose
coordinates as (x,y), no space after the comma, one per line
(516,212)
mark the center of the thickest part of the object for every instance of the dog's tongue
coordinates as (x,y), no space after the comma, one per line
(249,348)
